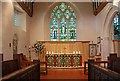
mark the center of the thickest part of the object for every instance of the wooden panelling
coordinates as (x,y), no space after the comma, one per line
(9,67)
(116,44)
(98,73)
(1,57)
(30,73)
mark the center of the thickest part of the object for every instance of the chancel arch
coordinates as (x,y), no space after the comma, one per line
(107,32)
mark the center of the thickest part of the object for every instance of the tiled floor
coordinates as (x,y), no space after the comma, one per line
(64,74)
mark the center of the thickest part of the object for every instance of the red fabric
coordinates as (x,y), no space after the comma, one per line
(80,60)
(46,58)
(54,60)
(71,59)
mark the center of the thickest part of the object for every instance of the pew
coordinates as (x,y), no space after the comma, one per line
(114,63)
(29,73)
(103,63)
(9,67)
(97,73)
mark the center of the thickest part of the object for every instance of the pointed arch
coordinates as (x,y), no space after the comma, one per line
(66,18)
(49,15)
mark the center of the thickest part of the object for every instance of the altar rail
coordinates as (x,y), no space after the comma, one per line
(64,60)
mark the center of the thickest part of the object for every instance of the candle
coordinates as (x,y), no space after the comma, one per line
(73,52)
(76,52)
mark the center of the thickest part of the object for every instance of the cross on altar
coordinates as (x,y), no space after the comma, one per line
(64,49)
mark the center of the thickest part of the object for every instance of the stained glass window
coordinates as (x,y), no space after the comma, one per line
(116,25)
(54,29)
(63,23)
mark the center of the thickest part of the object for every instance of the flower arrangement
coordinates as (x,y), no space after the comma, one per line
(38,47)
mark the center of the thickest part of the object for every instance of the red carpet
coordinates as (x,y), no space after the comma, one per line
(64,75)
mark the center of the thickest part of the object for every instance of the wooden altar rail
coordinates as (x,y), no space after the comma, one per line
(97,73)
(30,73)
(105,64)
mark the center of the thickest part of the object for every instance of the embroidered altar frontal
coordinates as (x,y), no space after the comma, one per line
(64,60)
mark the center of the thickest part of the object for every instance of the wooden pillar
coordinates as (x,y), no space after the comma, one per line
(90,71)
(112,57)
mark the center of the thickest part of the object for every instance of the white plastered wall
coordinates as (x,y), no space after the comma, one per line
(0,27)
(8,31)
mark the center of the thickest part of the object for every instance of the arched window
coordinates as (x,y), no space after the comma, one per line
(63,23)
(116,25)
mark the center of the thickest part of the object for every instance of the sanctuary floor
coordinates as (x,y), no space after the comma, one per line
(64,75)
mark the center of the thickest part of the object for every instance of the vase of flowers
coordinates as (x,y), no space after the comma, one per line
(38,48)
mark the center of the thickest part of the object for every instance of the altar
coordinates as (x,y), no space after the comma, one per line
(65,53)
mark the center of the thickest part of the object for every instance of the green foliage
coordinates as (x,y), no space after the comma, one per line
(38,47)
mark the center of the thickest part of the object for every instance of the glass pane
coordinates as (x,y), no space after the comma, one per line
(116,26)
(55,9)
(74,15)
(63,24)
(72,34)
(63,7)
(72,29)
(58,14)
(63,30)
(54,29)
(67,14)
(70,8)
(72,23)
(52,15)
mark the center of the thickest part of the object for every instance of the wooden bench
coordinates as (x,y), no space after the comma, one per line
(29,73)
(105,64)
(9,67)
(98,73)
